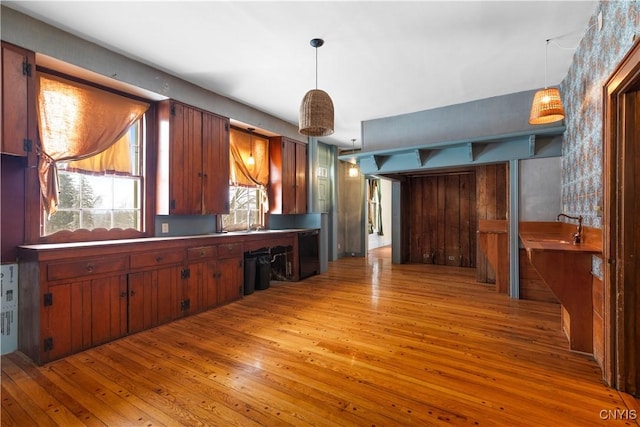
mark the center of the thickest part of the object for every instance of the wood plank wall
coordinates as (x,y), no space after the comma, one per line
(443,219)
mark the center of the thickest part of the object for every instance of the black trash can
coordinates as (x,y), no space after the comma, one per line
(250,269)
(263,277)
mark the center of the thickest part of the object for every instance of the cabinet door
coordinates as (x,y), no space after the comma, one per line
(143,297)
(185,160)
(84,314)
(108,309)
(210,285)
(230,279)
(67,320)
(301,178)
(288,177)
(154,298)
(215,164)
(17,71)
(192,289)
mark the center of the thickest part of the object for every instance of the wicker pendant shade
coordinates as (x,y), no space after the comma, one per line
(547,104)
(546,107)
(316,108)
(316,114)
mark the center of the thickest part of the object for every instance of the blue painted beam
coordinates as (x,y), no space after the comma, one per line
(456,155)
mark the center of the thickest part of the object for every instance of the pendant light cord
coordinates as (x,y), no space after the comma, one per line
(316,68)
(546,53)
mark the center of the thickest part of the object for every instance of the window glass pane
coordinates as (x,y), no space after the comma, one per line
(126,219)
(63,220)
(96,218)
(69,186)
(125,191)
(95,192)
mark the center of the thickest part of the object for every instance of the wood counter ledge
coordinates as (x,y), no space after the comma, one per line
(566,269)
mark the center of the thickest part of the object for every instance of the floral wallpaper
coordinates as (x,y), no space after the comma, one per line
(597,55)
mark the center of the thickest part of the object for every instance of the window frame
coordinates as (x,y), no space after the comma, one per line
(34,207)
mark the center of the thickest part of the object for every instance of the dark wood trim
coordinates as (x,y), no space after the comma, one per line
(621,348)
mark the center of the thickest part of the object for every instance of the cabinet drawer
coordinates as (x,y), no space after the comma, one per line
(202,252)
(229,250)
(151,259)
(86,267)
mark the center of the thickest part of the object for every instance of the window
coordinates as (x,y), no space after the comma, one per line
(244,208)
(107,200)
(91,162)
(248,178)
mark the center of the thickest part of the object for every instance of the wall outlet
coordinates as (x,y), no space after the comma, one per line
(165,227)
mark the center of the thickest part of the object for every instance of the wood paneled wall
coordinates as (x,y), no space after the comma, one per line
(443,219)
(12,226)
(443,211)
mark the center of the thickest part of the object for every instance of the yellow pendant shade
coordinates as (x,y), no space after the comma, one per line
(546,107)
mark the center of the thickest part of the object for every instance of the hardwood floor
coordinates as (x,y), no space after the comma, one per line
(366,344)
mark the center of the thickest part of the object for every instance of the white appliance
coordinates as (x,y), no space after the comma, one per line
(9,315)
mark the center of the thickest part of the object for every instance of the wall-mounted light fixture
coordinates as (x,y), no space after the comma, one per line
(547,105)
(353,168)
(251,161)
(316,109)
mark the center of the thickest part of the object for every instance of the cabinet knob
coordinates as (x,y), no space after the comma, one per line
(91,267)
(158,258)
(133,293)
(123,294)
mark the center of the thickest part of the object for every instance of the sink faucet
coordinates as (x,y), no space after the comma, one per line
(577,236)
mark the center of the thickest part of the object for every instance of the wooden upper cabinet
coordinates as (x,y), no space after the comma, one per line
(18,100)
(288,176)
(215,159)
(193,161)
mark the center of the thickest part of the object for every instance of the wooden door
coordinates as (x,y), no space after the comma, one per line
(630,240)
(215,164)
(18,68)
(300,178)
(621,234)
(230,279)
(491,203)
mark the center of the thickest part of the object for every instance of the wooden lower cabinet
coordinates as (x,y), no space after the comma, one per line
(154,298)
(74,297)
(83,314)
(216,278)
(230,279)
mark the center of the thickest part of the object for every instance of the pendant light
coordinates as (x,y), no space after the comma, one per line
(251,161)
(353,169)
(316,109)
(547,105)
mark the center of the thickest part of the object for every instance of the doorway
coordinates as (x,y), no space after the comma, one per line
(621,226)
(378,224)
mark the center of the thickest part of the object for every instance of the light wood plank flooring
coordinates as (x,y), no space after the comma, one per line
(366,344)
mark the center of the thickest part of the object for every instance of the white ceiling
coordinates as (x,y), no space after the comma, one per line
(380,58)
